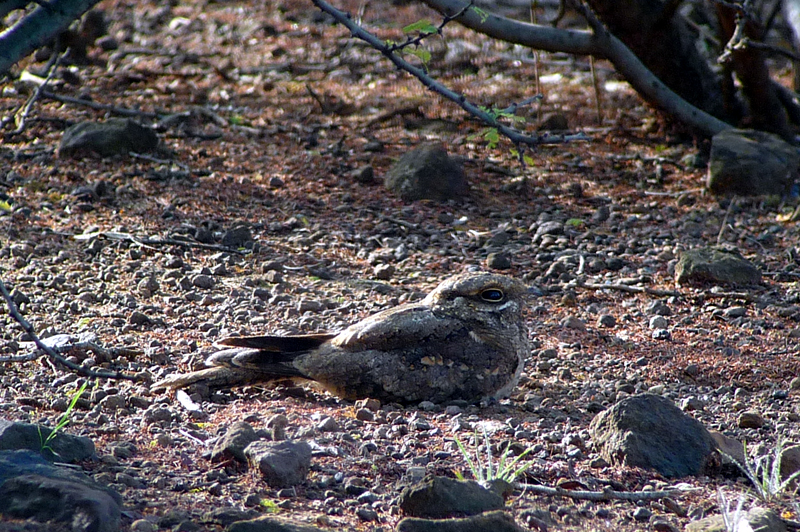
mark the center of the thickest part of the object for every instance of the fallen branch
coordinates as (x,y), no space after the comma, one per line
(50,352)
(153,242)
(666,293)
(605,495)
(121,111)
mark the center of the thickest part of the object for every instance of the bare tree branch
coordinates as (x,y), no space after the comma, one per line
(599,44)
(519,139)
(38,28)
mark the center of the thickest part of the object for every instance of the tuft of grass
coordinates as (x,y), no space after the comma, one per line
(63,421)
(764,472)
(485,471)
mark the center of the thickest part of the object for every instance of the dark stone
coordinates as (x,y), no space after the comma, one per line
(283,464)
(554,122)
(364,175)
(440,497)
(115,136)
(718,266)
(237,237)
(226,516)
(497,521)
(427,172)
(62,501)
(498,261)
(232,444)
(650,432)
(62,447)
(751,163)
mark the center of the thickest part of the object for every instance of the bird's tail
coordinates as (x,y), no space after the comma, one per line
(249,359)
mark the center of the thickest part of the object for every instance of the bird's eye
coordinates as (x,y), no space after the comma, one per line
(493,295)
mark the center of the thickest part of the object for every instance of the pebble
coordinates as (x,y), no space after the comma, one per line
(750,420)
(735,312)
(573,322)
(203,281)
(498,261)
(606,320)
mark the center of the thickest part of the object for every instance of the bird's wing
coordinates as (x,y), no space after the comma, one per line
(279,344)
(397,328)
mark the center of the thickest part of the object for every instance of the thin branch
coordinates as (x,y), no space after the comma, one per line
(21,116)
(416,41)
(512,134)
(50,352)
(631,289)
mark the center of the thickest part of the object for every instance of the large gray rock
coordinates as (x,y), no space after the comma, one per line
(283,464)
(46,499)
(440,497)
(115,136)
(749,163)
(717,266)
(758,519)
(497,521)
(427,172)
(650,432)
(270,524)
(62,447)
(790,461)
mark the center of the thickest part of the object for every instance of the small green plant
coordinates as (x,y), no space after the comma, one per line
(486,473)
(764,472)
(269,506)
(63,421)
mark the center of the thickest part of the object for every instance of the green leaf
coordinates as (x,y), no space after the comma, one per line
(424,55)
(528,160)
(493,136)
(5,206)
(423,26)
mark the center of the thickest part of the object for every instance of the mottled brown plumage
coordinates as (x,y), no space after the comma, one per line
(465,340)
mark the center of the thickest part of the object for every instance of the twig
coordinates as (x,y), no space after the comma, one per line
(517,138)
(605,495)
(50,352)
(158,161)
(63,343)
(99,106)
(631,289)
(725,220)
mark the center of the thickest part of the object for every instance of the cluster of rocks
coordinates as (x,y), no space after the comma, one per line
(645,430)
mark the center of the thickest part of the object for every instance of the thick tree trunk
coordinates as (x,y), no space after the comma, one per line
(766,110)
(665,43)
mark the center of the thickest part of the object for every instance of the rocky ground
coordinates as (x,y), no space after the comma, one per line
(253,220)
